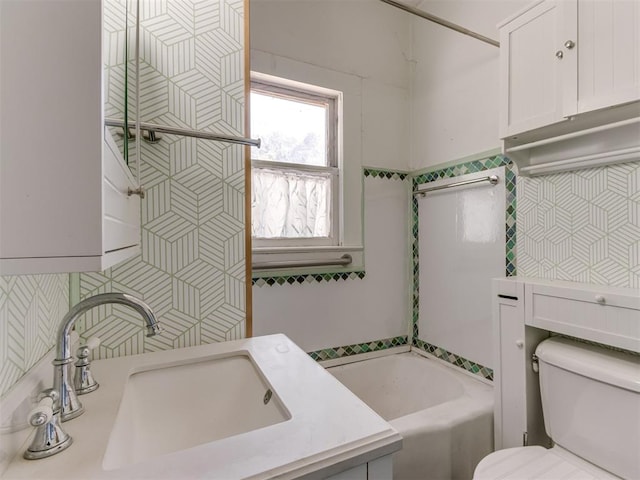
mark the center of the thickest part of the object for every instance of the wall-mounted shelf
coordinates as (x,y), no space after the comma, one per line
(587,146)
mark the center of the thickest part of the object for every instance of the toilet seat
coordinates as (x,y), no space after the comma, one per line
(537,463)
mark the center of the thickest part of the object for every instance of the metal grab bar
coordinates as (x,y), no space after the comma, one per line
(442,21)
(346,259)
(492,179)
(151,127)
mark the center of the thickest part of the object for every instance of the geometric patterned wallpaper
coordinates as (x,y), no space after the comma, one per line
(30,308)
(191,270)
(581,226)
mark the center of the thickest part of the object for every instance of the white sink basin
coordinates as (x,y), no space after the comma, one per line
(199,412)
(172,408)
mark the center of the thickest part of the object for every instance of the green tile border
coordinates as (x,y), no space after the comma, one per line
(455,170)
(306,278)
(357,348)
(388,174)
(457,360)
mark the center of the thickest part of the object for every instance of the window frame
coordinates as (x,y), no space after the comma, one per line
(314,95)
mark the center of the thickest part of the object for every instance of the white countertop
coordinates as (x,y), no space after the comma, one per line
(330,429)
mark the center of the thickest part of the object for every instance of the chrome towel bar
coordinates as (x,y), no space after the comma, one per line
(346,259)
(492,179)
(151,127)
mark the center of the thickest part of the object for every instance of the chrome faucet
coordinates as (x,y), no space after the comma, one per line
(68,403)
(64,401)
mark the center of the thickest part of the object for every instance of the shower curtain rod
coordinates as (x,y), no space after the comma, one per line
(442,21)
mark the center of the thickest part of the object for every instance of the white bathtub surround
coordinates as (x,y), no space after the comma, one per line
(461,236)
(329,429)
(439,411)
(346,314)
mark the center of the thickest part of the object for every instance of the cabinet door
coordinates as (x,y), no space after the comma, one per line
(509,374)
(608,50)
(532,67)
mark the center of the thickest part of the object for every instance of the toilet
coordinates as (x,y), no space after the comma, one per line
(591,406)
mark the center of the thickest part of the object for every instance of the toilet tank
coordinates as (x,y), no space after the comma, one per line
(591,403)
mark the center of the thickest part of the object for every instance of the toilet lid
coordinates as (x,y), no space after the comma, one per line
(537,463)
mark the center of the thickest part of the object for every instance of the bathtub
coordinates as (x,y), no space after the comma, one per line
(444,415)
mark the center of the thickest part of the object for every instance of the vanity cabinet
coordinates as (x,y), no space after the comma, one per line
(565,58)
(64,203)
(378,469)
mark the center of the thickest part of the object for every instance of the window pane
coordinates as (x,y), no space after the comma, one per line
(286,204)
(291,131)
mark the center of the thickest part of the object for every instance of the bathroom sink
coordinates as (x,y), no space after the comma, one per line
(256,408)
(166,409)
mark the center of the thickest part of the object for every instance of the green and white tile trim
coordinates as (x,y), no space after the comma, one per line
(457,360)
(289,278)
(449,171)
(357,348)
(388,174)
(306,278)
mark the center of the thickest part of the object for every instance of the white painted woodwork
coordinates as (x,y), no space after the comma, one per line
(355,473)
(531,74)
(515,411)
(379,469)
(608,48)
(121,219)
(600,71)
(57,210)
(603,314)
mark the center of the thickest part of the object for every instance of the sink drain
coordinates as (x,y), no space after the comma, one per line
(267,396)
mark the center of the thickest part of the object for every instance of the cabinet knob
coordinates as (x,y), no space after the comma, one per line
(138,191)
(569,44)
(600,299)
(519,343)
(559,54)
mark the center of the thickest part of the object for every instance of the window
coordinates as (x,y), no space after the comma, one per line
(295,174)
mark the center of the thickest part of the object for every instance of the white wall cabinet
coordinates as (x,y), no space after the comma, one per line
(63,186)
(562,58)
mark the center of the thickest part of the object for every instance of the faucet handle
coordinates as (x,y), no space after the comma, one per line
(49,438)
(92,343)
(43,411)
(83,381)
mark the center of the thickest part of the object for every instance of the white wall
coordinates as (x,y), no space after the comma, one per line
(454,110)
(360,47)
(362,39)
(344,312)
